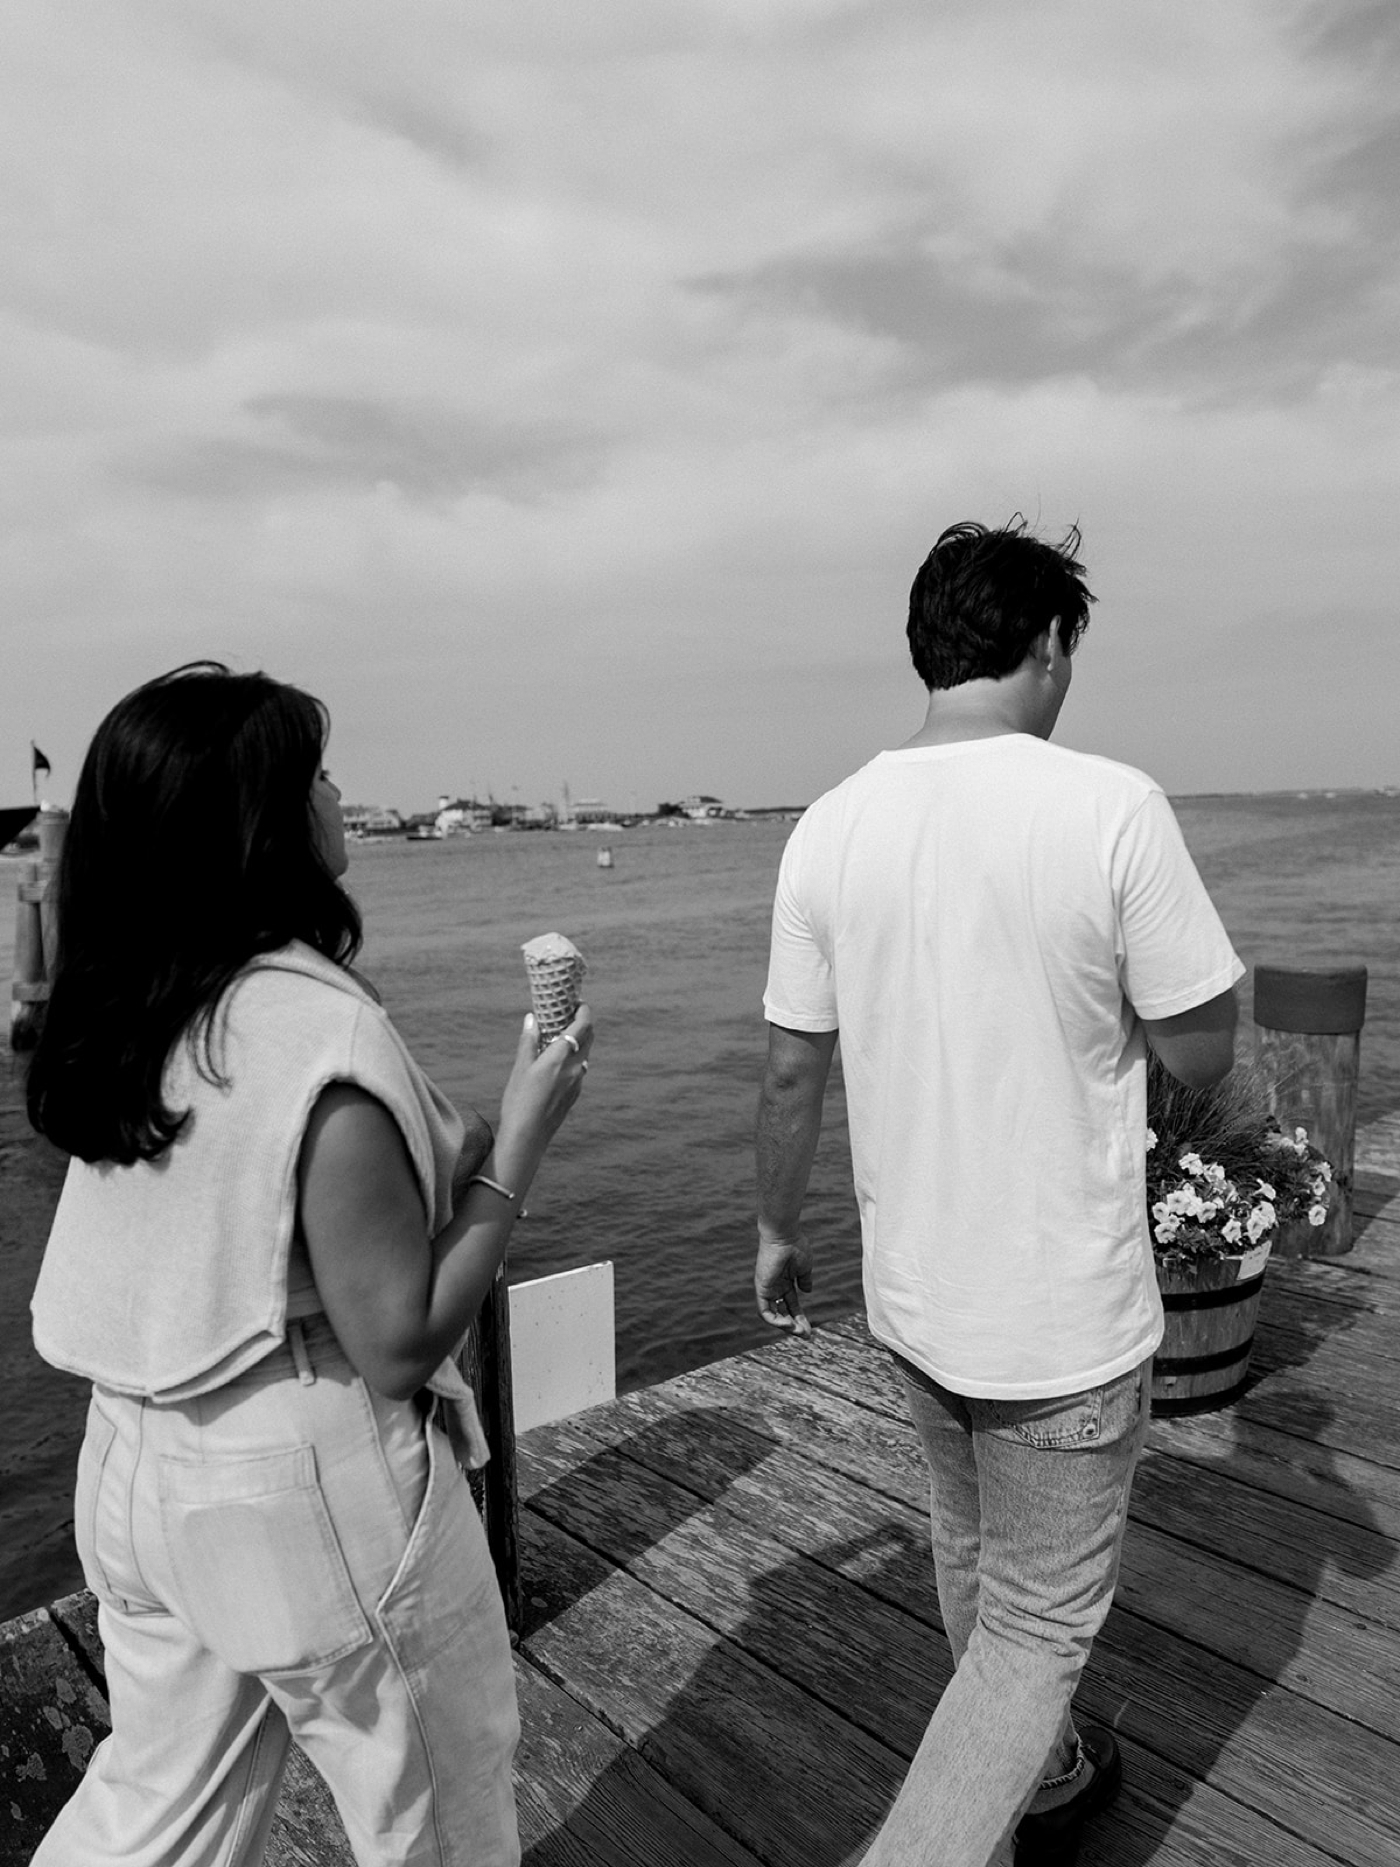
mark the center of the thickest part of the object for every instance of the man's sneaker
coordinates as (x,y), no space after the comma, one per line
(1052,1839)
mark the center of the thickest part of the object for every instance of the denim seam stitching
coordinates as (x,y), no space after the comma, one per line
(370,1420)
(243,1816)
(90,1515)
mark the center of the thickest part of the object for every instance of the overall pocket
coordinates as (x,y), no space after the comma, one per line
(263,1581)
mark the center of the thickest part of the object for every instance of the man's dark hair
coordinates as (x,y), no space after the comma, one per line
(982,597)
(192,847)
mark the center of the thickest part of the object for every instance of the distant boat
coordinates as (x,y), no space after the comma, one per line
(14,822)
(425,833)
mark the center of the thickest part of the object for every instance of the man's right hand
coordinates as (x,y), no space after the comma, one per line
(783,1270)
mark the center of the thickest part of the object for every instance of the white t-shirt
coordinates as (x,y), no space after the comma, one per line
(982,921)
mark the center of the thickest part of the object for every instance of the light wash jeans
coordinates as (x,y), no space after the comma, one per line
(1029,1502)
(290,1555)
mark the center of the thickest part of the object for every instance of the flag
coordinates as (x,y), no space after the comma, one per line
(40,762)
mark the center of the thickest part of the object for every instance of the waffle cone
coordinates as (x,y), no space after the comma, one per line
(555,969)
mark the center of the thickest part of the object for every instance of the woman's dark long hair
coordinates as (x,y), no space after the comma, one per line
(192,847)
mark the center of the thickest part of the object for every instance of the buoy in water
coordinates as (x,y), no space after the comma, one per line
(605,860)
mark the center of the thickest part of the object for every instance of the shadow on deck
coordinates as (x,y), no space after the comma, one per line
(732,1645)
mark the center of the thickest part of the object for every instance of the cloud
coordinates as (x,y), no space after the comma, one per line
(1165,226)
(559,377)
(323,441)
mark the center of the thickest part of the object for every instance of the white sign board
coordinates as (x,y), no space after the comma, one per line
(563,1353)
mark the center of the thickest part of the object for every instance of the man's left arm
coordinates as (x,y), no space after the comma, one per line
(1177,966)
(789,1127)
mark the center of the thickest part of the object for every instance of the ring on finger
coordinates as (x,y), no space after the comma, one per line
(571,1041)
(583,1065)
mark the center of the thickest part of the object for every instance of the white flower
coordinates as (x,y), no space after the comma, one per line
(1215,1174)
(1259,1221)
(1232,1231)
(1192,1163)
(1317,1215)
(1324,1171)
(1151,1140)
(1266,1189)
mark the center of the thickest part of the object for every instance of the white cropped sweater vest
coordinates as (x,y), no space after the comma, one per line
(169,1277)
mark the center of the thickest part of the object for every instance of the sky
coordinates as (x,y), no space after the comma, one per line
(568,393)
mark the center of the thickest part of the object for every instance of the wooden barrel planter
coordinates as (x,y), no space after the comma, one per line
(1211,1307)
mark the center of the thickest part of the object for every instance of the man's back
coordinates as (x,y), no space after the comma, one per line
(975,917)
(988,923)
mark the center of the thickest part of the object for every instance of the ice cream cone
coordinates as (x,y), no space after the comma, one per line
(555,969)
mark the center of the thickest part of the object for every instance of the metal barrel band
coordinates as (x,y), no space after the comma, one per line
(1212,1299)
(1166,1366)
(1165,1408)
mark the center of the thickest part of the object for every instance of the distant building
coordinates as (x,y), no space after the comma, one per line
(515,816)
(592,810)
(371,820)
(461,816)
(699,807)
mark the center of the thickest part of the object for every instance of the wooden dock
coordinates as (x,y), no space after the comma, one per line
(732,1645)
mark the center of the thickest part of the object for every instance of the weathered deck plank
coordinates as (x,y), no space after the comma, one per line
(732,1638)
(789,1779)
(881,1544)
(1252,1661)
(585,1798)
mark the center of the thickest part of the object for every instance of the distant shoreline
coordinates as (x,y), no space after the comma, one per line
(27,850)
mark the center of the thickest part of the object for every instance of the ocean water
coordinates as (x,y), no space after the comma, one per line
(654,1167)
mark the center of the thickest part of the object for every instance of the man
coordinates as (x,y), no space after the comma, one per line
(996,927)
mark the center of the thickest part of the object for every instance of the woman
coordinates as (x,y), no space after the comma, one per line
(261,1261)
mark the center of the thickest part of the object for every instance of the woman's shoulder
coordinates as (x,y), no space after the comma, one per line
(297,973)
(299,996)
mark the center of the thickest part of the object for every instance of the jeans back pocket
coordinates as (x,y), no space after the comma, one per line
(263,1580)
(1050,1422)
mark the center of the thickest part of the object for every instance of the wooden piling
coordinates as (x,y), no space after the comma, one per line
(52,825)
(1308,1048)
(28,986)
(485,1362)
(36,932)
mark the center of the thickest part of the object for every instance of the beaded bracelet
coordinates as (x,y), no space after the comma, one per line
(480,1179)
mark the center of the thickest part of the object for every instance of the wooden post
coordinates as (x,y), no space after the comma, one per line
(28,988)
(36,932)
(52,826)
(1308,1049)
(486,1364)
